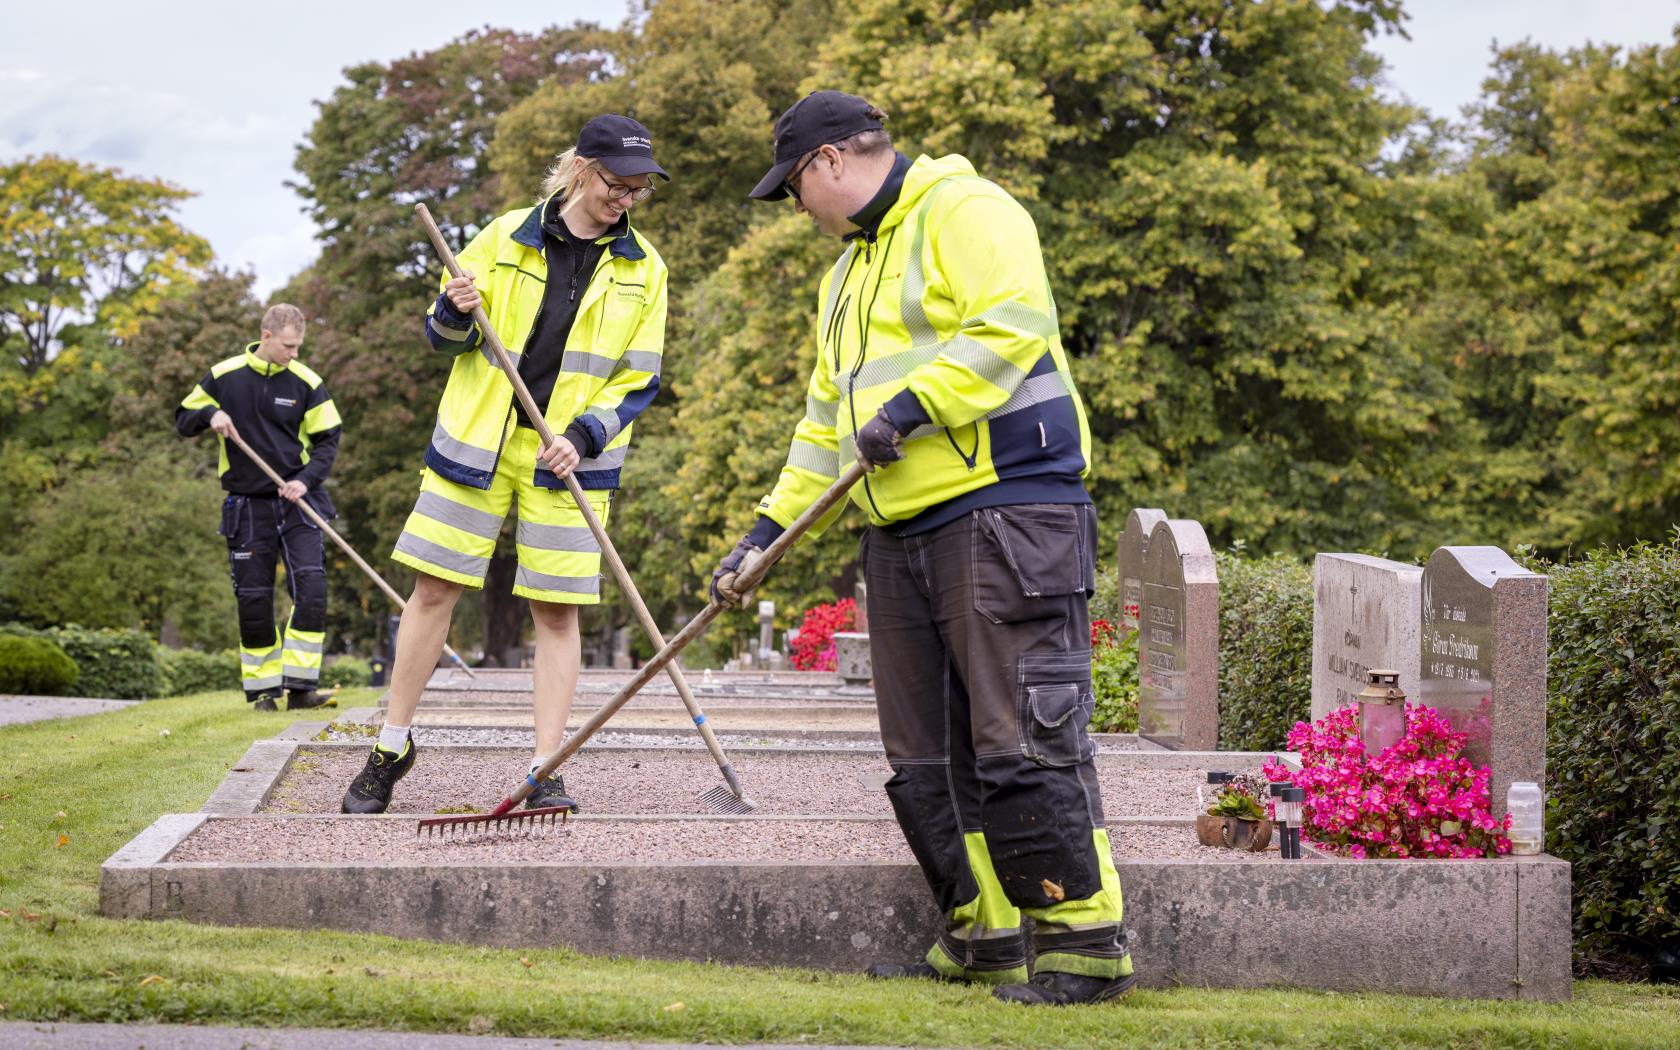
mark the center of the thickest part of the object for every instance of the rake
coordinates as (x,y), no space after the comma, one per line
(501,821)
(723,800)
(332,534)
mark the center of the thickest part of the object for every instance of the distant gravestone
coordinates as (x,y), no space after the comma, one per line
(1366,613)
(1178,639)
(1482,648)
(1134,544)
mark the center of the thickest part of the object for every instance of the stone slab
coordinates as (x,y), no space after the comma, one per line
(1178,640)
(17,709)
(1366,613)
(1132,548)
(1444,928)
(811,718)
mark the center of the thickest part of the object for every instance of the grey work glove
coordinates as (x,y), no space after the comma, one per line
(879,442)
(736,562)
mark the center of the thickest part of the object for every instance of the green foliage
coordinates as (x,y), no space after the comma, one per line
(1265,650)
(347,671)
(35,667)
(188,671)
(1613,739)
(1239,798)
(1114,682)
(113,664)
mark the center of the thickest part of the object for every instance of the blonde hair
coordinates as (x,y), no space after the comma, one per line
(560,177)
(282,316)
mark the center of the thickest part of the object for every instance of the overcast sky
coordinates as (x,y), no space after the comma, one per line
(204,95)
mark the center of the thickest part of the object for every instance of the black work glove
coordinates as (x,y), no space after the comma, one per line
(879,442)
(737,561)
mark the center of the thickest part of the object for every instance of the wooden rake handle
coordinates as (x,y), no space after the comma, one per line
(321,523)
(499,354)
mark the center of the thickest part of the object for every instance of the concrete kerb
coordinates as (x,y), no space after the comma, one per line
(1475,929)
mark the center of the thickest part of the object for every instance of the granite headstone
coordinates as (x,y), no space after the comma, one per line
(1482,648)
(1178,640)
(1366,614)
(1134,544)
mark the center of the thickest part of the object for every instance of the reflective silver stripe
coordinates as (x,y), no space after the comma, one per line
(816,460)
(587,364)
(300,645)
(1013,313)
(461,452)
(542,581)
(446,511)
(848,449)
(444,558)
(308,674)
(641,361)
(1034,391)
(254,685)
(820,412)
(895,366)
(608,420)
(984,362)
(910,309)
(836,277)
(258,659)
(452,334)
(611,459)
(576,538)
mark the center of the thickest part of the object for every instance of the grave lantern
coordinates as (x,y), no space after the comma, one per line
(1382,711)
(1289,812)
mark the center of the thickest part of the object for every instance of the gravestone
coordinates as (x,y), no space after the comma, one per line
(1366,613)
(1134,544)
(1482,649)
(1178,639)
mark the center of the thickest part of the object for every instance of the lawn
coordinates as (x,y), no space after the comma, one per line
(73,791)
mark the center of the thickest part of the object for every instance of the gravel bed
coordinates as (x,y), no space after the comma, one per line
(508,736)
(852,719)
(668,781)
(260,840)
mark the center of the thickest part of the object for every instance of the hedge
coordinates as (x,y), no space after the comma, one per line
(347,671)
(187,671)
(1265,650)
(35,667)
(1613,739)
(115,664)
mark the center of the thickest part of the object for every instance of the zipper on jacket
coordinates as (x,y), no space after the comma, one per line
(971,460)
(863,354)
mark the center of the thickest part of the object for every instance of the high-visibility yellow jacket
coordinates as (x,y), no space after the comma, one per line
(608,375)
(945,316)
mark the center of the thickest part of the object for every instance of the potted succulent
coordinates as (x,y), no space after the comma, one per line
(1236,818)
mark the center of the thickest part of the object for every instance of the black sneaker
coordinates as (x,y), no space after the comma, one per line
(922,971)
(265,701)
(303,699)
(370,792)
(550,791)
(1065,989)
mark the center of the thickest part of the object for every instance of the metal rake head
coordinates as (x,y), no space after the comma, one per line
(483,827)
(722,800)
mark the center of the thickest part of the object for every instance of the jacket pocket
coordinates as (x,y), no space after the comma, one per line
(1027,559)
(1054,703)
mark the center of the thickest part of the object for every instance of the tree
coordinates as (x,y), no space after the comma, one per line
(84,245)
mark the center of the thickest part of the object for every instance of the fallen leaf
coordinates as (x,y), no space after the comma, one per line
(674,1007)
(153,979)
(62,840)
(525,962)
(111,973)
(30,916)
(5,913)
(1053,890)
(61,813)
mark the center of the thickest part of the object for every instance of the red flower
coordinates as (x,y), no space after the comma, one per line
(813,647)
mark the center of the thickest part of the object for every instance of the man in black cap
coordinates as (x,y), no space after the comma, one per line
(940,367)
(578,296)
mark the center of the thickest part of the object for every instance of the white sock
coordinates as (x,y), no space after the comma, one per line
(536,763)
(393,738)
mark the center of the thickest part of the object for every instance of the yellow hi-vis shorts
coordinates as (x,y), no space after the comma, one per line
(452,530)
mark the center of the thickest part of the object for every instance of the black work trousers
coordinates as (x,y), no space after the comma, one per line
(261,531)
(980,641)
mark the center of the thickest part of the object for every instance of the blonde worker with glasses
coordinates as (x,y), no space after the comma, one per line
(577,295)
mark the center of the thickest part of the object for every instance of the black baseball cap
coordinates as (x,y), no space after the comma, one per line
(623,146)
(818,119)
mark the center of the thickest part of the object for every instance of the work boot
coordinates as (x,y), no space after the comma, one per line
(265,701)
(550,791)
(1065,989)
(922,970)
(302,699)
(370,792)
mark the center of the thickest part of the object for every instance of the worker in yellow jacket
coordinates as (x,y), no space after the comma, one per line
(939,365)
(577,295)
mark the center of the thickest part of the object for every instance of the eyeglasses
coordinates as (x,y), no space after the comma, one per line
(788,183)
(618,190)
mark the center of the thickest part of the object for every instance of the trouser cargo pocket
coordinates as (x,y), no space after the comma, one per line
(1029,558)
(1054,704)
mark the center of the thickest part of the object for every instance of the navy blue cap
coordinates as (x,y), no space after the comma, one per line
(622,145)
(818,119)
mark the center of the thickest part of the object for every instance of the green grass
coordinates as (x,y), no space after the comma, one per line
(97,781)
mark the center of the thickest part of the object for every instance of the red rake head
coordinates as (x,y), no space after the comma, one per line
(499,824)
